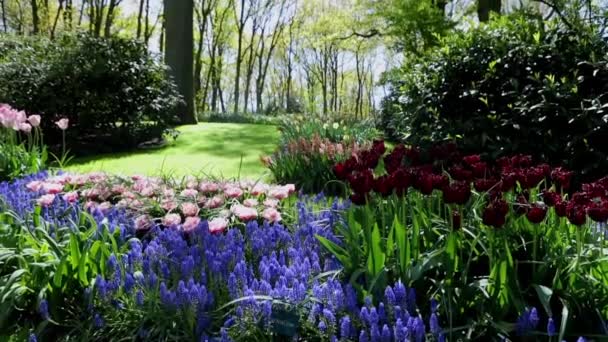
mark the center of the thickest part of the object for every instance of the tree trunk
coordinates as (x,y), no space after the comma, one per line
(140,16)
(4,25)
(484,7)
(241,21)
(35,18)
(110,18)
(56,19)
(179,21)
(81,14)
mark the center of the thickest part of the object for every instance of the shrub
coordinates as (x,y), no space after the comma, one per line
(515,85)
(114,93)
(337,129)
(257,119)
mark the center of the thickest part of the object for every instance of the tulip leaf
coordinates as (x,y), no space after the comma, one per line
(544,295)
(375,257)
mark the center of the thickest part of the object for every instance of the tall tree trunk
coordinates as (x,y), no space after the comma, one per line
(81,14)
(241,21)
(250,64)
(179,53)
(484,7)
(110,17)
(140,16)
(35,18)
(54,28)
(67,14)
(147,30)
(4,24)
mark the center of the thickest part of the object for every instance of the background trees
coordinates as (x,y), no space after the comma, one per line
(269,56)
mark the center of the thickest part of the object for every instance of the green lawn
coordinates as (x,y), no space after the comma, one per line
(215,149)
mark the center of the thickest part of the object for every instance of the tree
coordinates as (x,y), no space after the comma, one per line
(179,40)
(484,7)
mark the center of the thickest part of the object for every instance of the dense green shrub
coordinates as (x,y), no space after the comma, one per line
(516,85)
(257,119)
(114,93)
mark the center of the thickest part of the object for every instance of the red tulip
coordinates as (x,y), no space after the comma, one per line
(537,213)
(598,211)
(472,159)
(457,192)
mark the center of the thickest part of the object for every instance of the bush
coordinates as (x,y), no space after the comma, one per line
(308,163)
(257,119)
(112,91)
(515,85)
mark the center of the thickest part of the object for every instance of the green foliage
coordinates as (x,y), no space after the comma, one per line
(41,261)
(113,92)
(311,146)
(516,85)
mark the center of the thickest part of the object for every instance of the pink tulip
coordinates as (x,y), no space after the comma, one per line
(90,205)
(52,188)
(71,197)
(46,200)
(168,204)
(191,223)
(34,186)
(218,225)
(233,192)
(105,207)
(63,124)
(189,209)
(208,187)
(271,203)
(142,222)
(250,202)
(244,213)
(278,193)
(214,202)
(172,220)
(272,215)
(189,193)
(259,189)
(25,127)
(34,120)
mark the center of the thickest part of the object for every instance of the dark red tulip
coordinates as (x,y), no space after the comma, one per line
(378,147)
(341,171)
(531,177)
(384,185)
(562,177)
(483,185)
(424,183)
(361,182)
(495,213)
(457,193)
(460,173)
(472,159)
(358,199)
(537,213)
(401,179)
(480,169)
(413,154)
(561,208)
(551,198)
(598,211)
(440,181)
(576,214)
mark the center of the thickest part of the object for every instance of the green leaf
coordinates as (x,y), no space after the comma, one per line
(74,251)
(376,257)
(544,294)
(337,251)
(403,245)
(564,322)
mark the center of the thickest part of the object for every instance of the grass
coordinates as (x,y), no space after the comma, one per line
(224,150)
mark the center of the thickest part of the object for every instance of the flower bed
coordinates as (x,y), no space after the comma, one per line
(419,256)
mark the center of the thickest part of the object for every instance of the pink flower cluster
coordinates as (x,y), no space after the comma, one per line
(173,203)
(17,119)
